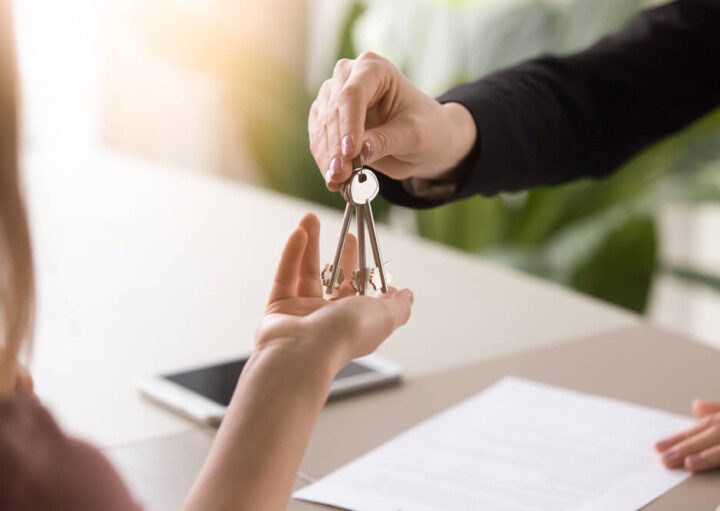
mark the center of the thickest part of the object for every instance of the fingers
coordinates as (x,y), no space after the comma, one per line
(667,443)
(705,460)
(285,284)
(394,137)
(702,407)
(368,82)
(340,111)
(394,167)
(308,283)
(338,165)
(399,304)
(317,131)
(372,320)
(676,456)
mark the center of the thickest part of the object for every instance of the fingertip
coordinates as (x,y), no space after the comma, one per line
(673,459)
(697,406)
(402,301)
(703,407)
(663,445)
(411,296)
(407,295)
(351,240)
(342,174)
(695,462)
(368,150)
(310,222)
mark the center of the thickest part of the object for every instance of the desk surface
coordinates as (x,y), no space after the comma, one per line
(144,268)
(639,364)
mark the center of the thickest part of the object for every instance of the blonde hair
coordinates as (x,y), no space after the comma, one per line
(16,266)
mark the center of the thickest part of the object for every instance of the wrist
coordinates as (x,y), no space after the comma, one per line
(321,359)
(462,133)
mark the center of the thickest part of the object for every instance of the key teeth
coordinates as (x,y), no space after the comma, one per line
(355,281)
(326,275)
(374,276)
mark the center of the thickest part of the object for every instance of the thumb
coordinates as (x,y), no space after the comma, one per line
(390,139)
(702,407)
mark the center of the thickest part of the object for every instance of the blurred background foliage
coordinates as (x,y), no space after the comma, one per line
(599,237)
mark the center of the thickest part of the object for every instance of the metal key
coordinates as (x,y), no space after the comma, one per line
(374,245)
(362,187)
(334,269)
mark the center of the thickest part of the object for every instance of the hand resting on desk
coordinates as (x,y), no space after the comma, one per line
(698,448)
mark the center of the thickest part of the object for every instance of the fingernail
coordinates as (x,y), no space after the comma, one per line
(367,150)
(334,168)
(694,462)
(412,298)
(328,175)
(671,457)
(347,146)
(663,445)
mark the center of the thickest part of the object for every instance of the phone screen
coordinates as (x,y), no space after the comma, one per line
(218,382)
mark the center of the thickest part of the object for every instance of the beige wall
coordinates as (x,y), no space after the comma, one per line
(176,71)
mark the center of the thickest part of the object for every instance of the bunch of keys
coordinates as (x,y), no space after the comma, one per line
(362,187)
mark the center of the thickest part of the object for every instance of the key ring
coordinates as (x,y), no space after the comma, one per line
(358,169)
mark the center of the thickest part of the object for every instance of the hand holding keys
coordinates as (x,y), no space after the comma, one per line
(359,191)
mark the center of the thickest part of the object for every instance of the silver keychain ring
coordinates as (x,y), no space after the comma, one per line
(358,162)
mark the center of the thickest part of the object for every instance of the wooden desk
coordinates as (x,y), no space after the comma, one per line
(145,268)
(638,364)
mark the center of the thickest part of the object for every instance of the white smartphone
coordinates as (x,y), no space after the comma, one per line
(203,394)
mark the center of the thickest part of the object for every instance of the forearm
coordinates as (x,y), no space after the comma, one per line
(258,448)
(555,119)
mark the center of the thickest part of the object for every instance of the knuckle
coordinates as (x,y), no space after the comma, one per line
(317,104)
(342,66)
(323,124)
(375,63)
(325,86)
(368,56)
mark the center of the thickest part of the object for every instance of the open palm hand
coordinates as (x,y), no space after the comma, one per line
(351,325)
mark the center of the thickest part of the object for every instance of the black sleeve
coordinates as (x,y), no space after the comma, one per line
(554,119)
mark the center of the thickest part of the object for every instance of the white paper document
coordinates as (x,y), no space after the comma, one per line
(517,446)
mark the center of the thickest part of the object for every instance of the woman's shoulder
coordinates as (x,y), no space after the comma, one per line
(42,468)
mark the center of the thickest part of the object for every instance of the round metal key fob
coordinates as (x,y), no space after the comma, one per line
(362,187)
